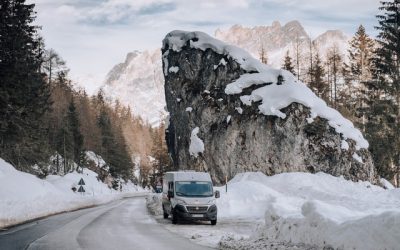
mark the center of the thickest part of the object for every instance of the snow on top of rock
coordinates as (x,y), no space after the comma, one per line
(173,69)
(196,144)
(177,39)
(239,110)
(357,158)
(273,97)
(344,145)
(222,62)
(386,184)
(228,118)
(97,159)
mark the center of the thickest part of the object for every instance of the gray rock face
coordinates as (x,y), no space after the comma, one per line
(250,141)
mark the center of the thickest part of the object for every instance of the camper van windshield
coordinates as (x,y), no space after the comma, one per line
(193,188)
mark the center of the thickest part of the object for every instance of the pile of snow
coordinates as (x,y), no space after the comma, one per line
(316,210)
(55,166)
(97,159)
(24,196)
(196,144)
(154,204)
(275,96)
(174,69)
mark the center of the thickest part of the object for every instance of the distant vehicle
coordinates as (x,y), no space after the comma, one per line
(189,196)
(158,187)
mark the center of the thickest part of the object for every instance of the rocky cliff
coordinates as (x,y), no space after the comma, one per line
(229,113)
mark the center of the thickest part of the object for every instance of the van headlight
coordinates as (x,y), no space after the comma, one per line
(211,201)
(180,202)
(212,209)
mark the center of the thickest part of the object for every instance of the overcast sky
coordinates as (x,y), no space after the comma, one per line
(94,35)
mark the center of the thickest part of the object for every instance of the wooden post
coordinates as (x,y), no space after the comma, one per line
(226,183)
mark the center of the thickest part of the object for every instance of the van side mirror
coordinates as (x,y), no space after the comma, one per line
(170,194)
(217,195)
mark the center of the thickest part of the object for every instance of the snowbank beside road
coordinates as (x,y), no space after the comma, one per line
(297,211)
(154,204)
(24,196)
(313,210)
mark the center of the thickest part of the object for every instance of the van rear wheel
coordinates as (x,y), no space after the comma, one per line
(213,222)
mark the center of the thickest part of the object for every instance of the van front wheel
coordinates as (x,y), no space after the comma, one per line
(213,222)
(165,213)
(174,217)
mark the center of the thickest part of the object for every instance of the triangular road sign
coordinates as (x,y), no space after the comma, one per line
(81,189)
(81,182)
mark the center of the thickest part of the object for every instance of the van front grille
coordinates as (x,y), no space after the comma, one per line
(197,209)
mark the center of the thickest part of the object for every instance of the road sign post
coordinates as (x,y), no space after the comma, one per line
(81,184)
(226,184)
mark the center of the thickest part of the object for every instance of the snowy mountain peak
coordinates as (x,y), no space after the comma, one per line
(295,31)
(275,39)
(331,35)
(138,82)
(275,32)
(276,24)
(329,39)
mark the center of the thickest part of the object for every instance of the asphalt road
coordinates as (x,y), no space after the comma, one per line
(123,224)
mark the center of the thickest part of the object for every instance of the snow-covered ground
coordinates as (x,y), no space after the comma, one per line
(299,211)
(24,196)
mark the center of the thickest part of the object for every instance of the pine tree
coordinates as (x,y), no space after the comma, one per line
(78,152)
(298,56)
(360,51)
(113,145)
(53,65)
(287,64)
(334,69)
(383,121)
(159,150)
(359,70)
(24,94)
(263,55)
(311,57)
(318,84)
(107,138)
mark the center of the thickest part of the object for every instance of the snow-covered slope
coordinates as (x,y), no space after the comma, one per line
(138,81)
(24,196)
(313,209)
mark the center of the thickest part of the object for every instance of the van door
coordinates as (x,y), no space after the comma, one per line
(168,207)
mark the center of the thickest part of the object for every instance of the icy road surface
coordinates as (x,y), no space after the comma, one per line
(123,224)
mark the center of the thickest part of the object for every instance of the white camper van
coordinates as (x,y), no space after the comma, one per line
(189,196)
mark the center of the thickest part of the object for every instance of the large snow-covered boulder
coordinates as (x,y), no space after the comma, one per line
(241,115)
